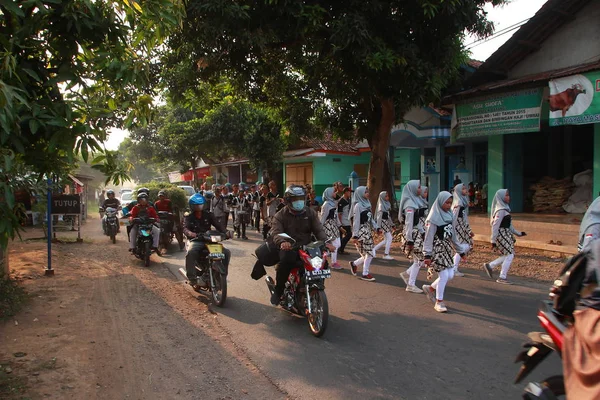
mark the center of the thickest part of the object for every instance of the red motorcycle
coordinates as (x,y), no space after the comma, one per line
(304,292)
(555,316)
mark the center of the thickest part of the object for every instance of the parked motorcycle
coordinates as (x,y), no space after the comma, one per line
(143,245)
(211,269)
(304,292)
(554,316)
(111,227)
(168,231)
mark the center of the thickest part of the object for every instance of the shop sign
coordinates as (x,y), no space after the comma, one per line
(575,100)
(66,204)
(513,112)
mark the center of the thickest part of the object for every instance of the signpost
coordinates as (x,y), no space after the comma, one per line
(49,271)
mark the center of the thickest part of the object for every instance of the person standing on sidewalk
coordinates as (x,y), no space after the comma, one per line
(343,209)
(589,230)
(440,239)
(331,224)
(255,207)
(412,211)
(384,222)
(503,240)
(362,233)
(460,210)
(217,206)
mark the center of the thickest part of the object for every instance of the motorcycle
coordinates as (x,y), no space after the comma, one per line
(211,269)
(168,231)
(555,316)
(304,292)
(143,245)
(111,227)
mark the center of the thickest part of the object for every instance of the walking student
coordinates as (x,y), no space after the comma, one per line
(343,209)
(217,206)
(503,240)
(589,230)
(331,224)
(412,212)
(362,233)
(255,208)
(440,239)
(384,222)
(460,210)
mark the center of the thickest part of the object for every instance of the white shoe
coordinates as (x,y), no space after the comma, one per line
(413,289)
(458,273)
(440,307)
(388,257)
(405,277)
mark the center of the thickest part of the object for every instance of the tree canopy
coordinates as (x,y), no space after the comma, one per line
(351,67)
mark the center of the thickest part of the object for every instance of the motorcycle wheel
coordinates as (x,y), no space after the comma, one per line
(113,238)
(147,252)
(179,236)
(317,320)
(219,288)
(163,243)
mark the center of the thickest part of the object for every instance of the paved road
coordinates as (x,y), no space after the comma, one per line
(382,342)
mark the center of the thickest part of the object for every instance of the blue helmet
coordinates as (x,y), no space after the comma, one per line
(196,199)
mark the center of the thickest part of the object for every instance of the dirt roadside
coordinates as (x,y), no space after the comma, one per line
(104,327)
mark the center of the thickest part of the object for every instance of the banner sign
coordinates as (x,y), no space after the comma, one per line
(575,100)
(66,204)
(513,112)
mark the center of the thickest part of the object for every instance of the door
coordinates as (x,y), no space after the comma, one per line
(299,174)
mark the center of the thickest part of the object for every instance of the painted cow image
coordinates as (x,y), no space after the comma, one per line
(564,100)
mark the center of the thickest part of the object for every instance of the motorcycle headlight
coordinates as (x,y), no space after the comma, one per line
(215,238)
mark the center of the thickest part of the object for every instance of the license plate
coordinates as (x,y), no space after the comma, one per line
(320,274)
(216,255)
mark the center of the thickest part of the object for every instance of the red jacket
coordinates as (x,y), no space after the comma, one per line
(147,210)
(163,205)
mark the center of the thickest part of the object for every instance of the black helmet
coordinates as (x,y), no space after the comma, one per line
(295,198)
(109,192)
(143,190)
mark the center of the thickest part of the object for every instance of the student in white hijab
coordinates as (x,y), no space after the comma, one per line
(412,212)
(502,239)
(362,232)
(331,223)
(460,210)
(589,230)
(425,196)
(384,222)
(438,246)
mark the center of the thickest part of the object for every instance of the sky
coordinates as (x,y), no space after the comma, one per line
(503,17)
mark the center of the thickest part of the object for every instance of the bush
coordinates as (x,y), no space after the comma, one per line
(12,297)
(177,195)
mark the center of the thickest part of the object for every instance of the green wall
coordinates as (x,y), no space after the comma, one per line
(495,166)
(596,160)
(410,164)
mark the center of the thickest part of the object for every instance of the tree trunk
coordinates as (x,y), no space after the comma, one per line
(4,261)
(379,150)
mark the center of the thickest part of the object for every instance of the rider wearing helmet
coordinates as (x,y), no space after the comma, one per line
(197,222)
(111,201)
(163,203)
(299,222)
(143,209)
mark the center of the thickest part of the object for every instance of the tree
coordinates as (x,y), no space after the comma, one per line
(352,67)
(71,69)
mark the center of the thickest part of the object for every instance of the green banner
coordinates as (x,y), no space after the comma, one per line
(499,114)
(575,100)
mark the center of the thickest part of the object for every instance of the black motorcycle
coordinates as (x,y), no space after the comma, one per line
(304,292)
(111,226)
(168,231)
(211,268)
(143,245)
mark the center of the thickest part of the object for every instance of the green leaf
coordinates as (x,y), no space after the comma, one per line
(34,125)
(32,74)
(111,104)
(13,7)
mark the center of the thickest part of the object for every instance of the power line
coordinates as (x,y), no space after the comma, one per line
(494,37)
(500,32)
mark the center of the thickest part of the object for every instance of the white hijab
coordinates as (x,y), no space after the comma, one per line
(437,215)
(459,200)
(410,198)
(328,197)
(360,199)
(382,204)
(424,201)
(591,217)
(499,204)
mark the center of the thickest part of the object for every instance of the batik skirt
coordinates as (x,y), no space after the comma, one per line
(463,232)
(365,239)
(505,241)
(332,230)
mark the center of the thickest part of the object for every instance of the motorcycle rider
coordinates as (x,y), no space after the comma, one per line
(197,222)
(111,201)
(300,222)
(143,210)
(163,203)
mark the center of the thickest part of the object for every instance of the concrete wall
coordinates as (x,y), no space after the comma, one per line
(410,160)
(577,42)
(495,166)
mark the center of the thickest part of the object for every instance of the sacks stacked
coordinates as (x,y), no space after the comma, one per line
(550,194)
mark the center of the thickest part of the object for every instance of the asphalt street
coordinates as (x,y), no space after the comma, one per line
(383,342)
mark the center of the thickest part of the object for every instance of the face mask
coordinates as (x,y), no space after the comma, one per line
(298,205)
